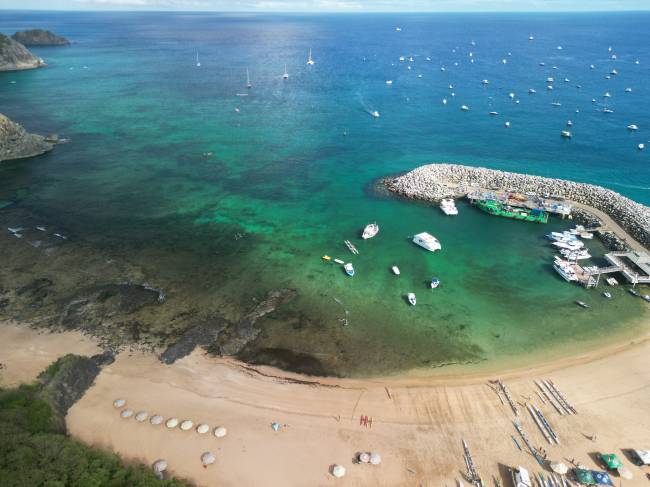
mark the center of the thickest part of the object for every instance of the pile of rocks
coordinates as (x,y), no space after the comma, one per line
(436,181)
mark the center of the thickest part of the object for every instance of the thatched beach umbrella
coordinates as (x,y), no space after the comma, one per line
(172,423)
(338,471)
(119,403)
(160,465)
(208,458)
(187,425)
(220,432)
(364,457)
(127,413)
(375,458)
(156,419)
(141,416)
(559,467)
(202,429)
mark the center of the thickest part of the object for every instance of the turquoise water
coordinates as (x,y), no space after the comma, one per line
(135,179)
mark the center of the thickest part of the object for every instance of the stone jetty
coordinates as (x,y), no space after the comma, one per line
(436,181)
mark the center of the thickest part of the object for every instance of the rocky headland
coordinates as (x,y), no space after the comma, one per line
(15,57)
(39,37)
(17,143)
(433,182)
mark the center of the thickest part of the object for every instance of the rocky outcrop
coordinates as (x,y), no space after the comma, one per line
(14,56)
(16,143)
(39,37)
(436,181)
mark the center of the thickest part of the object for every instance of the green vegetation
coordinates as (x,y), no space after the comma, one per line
(35,452)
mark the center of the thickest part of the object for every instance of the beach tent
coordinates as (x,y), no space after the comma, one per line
(364,457)
(338,471)
(559,467)
(644,456)
(611,461)
(601,478)
(208,458)
(375,458)
(220,432)
(202,429)
(584,476)
(156,419)
(160,465)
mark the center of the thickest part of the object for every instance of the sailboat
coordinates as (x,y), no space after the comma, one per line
(310,61)
(285,75)
(248,80)
(198,63)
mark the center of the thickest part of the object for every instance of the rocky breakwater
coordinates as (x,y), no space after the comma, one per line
(436,181)
(15,57)
(17,143)
(39,37)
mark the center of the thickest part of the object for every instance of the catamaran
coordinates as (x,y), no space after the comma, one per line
(427,241)
(248,80)
(370,231)
(448,206)
(310,61)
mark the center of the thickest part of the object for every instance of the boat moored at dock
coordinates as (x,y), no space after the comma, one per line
(448,207)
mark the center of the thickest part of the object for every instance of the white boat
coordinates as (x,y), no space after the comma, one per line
(607,110)
(531,38)
(532,91)
(485,82)
(395,270)
(565,269)
(427,241)
(248,80)
(349,270)
(198,63)
(569,123)
(570,245)
(507,124)
(574,255)
(375,113)
(611,281)
(556,104)
(606,95)
(628,90)
(310,61)
(389,81)
(464,108)
(398,29)
(286,74)
(370,231)
(566,134)
(435,282)
(448,207)
(339,261)
(411,298)
(641,146)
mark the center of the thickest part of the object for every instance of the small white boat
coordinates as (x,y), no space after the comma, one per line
(464,108)
(507,125)
(248,80)
(628,90)
(632,127)
(339,261)
(286,74)
(310,61)
(444,101)
(389,81)
(374,113)
(611,281)
(566,134)
(398,29)
(428,58)
(531,38)
(427,241)
(607,110)
(607,295)
(569,123)
(349,270)
(395,270)
(511,95)
(435,282)
(591,66)
(641,146)
(556,104)
(485,82)
(493,113)
(411,298)
(448,207)
(532,91)
(606,95)
(198,63)
(370,231)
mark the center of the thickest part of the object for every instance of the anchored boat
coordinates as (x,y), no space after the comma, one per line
(349,270)
(370,231)
(395,270)
(435,282)
(411,298)
(427,241)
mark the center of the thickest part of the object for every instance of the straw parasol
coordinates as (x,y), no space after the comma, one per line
(187,425)
(364,457)
(208,458)
(119,403)
(375,458)
(141,416)
(160,465)
(172,423)
(127,413)
(156,419)
(220,432)
(559,467)
(202,429)
(624,473)
(338,471)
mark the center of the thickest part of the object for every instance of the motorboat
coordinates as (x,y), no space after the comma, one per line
(448,207)
(607,95)
(198,63)
(349,269)
(435,282)
(507,125)
(411,299)
(395,270)
(464,108)
(611,281)
(427,241)
(389,81)
(374,113)
(569,245)
(370,231)
(608,295)
(310,61)
(582,304)
(607,110)
(286,74)
(632,127)
(628,90)
(485,82)
(532,91)
(566,134)
(641,146)
(574,255)
(556,104)
(565,269)
(248,80)
(634,292)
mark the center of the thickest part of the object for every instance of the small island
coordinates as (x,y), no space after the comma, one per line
(39,37)
(15,57)
(17,143)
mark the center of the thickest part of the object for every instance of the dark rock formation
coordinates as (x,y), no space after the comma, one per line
(202,334)
(14,56)
(16,143)
(39,37)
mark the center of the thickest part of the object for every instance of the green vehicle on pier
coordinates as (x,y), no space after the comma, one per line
(497,208)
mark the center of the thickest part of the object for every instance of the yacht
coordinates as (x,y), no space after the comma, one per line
(427,241)
(411,298)
(286,74)
(198,63)
(566,134)
(448,207)
(435,282)
(370,231)
(395,270)
(632,127)
(310,61)
(570,245)
(565,269)
(574,255)
(349,270)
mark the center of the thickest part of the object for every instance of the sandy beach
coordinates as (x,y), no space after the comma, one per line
(417,422)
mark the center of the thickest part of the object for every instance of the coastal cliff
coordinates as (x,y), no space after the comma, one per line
(17,143)
(436,181)
(14,56)
(39,37)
